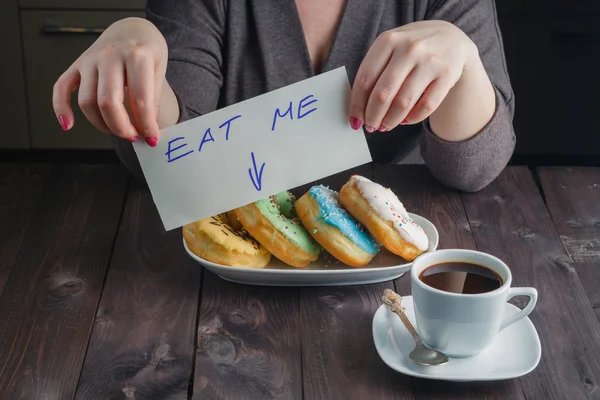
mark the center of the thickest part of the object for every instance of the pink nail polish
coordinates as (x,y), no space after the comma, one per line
(64,123)
(133,138)
(151,141)
(355,123)
(405,122)
(370,129)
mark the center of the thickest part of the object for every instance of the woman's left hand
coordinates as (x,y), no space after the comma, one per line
(407,73)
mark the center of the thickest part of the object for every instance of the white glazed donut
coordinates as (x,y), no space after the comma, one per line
(384,216)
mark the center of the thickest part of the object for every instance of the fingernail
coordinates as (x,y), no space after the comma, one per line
(151,141)
(355,123)
(370,129)
(64,123)
(133,138)
(404,122)
(382,129)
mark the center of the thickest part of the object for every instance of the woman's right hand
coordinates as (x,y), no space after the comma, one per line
(127,64)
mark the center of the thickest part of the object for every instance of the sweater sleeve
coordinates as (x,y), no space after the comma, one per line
(194,31)
(472,164)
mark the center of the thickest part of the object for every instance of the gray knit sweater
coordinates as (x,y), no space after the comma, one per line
(222,52)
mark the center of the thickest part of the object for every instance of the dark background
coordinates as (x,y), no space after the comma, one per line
(553,54)
(552,49)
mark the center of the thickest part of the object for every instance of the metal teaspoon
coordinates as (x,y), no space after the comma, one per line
(420,355)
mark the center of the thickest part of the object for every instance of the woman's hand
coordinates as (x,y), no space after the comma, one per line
(408,73)
(127,64)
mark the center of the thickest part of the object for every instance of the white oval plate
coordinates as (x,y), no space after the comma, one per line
(325,271)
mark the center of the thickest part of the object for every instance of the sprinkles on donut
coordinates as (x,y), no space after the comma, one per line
(384,216)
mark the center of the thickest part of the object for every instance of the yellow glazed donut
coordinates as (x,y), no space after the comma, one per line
(382,213)
(274,223)
(214,240)
(320,212)
(233,220)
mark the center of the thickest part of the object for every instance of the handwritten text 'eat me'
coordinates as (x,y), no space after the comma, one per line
(183,149)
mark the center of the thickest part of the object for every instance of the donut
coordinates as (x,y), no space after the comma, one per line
(234,222)
(384,216)
(214,240)
(274,223)
(334,229)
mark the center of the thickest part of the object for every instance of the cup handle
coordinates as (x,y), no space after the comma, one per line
(520,291)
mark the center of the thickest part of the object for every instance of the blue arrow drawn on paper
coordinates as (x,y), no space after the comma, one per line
(258,182)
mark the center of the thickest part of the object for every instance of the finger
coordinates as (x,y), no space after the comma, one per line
(159,83)
(141,91)
(160,70)
(88,99)
(432,98)
(367,75)
(111,82)
(64,87)
(408,95)
(386,88)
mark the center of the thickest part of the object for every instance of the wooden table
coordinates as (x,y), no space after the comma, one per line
(98,302)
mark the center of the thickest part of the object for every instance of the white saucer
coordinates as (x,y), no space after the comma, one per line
(515,352)
(326,271)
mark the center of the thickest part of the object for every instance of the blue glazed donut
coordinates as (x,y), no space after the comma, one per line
(334,228)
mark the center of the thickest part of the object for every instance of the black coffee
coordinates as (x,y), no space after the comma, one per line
(460,277)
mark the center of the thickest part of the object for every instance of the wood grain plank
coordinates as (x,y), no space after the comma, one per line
(20,190)
(248,342)
(19,173)
(338,355)
(509,220)
(573,199)
(49,303)
(422,194)
(142,343)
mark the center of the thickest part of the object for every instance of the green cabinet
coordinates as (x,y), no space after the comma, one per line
(135,5)
(14,133)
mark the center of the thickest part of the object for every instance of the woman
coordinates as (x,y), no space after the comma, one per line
(423,72)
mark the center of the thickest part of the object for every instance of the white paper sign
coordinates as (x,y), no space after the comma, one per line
(250,150)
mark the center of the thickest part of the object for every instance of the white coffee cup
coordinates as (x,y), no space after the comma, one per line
(463,325)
